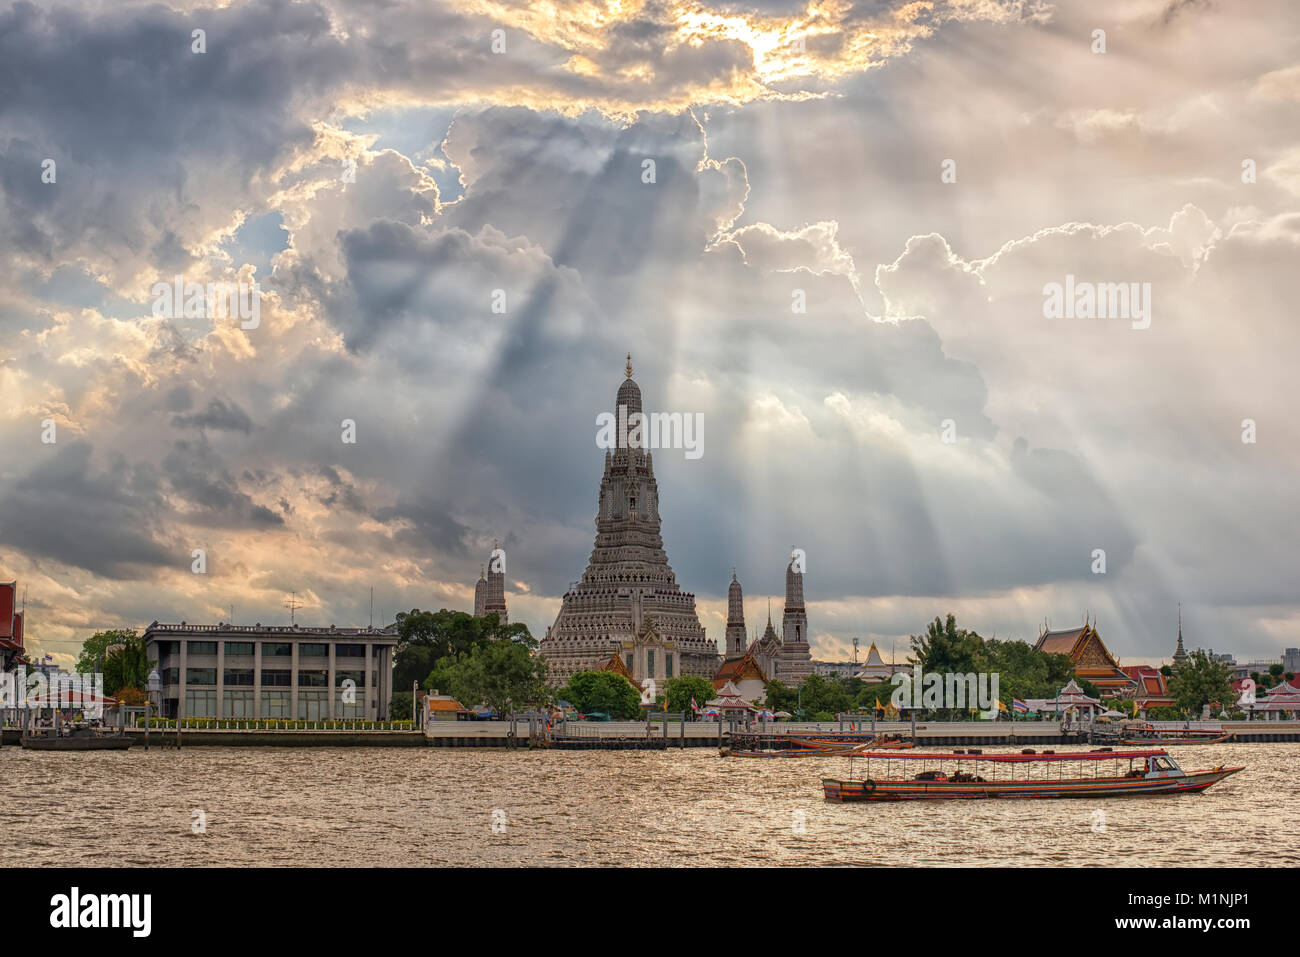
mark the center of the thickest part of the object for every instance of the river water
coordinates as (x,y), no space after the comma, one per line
(333,807)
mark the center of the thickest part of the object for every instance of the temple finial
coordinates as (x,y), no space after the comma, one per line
(628,371)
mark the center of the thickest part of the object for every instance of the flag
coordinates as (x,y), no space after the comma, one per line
(1135,707)
(1019,706)
(1002,705)
(877,702)
(49,657)
(694,707)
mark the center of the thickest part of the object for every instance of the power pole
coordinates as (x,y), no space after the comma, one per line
(293,604)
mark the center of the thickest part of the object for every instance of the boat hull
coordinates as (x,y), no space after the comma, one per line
(1165,742)
(1190,783)
(107,743)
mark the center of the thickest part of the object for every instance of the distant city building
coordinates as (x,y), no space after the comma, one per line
(1291,660)
(265,671)
(11,627)
(1089,656)
(627,602)
(839,669)
(490,591)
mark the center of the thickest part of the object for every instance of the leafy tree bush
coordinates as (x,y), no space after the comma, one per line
(679,692)
(602,691)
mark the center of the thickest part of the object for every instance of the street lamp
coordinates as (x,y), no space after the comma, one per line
(153,685)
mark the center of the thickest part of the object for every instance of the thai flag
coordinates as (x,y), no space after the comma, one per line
(694,707)
(1019,706)
(49,657)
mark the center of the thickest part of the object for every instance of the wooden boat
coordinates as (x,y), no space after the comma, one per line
(1149,737)
(79,740)
(818,747)
(1097,773)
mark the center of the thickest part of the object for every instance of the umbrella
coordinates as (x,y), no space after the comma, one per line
(765,714)
(1113,714)
(711,712)
(784,714)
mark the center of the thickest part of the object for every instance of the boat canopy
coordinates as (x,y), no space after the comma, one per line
(1010,758)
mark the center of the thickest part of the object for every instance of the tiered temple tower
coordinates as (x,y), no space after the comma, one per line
(736,644)
(628,602)
(794,661)
(490,590)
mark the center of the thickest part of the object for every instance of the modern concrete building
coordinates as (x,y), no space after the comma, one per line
(265,671)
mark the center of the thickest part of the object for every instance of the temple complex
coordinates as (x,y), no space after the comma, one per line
(627,602)
(1089,656)
(786,658)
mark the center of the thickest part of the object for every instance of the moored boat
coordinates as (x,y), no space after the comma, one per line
(1145,736)
(78,740)
(1097,773)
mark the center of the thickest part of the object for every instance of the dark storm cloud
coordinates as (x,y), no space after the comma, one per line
(219,415)
(197,475)
(101,519)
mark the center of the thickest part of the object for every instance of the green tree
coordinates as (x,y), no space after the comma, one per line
(1201,680)
(121,655)
(606,692)
(823,695)
(399,706)
(679,692)
(780,697)
(502,675)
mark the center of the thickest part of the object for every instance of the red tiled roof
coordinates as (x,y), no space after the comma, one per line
(8,595)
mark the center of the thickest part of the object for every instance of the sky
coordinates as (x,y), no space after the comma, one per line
(840,262)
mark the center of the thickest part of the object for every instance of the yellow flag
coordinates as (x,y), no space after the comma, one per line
(1002,705)
(877,702)
(1135,707)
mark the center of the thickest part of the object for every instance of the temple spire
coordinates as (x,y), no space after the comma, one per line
(1180,654)
(627,373)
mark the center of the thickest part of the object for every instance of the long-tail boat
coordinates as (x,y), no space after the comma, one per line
(1099,773)
(814,747)
(1149,737)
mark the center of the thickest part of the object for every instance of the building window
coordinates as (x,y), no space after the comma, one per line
(201,676)
(313,679)
(203,648)
(239,647)
(311,649)
(627,660)
(355,709)
(358,677)
(313,705)
(238,676)
(668,665)
(275,704)
(349,651)
(650,662)
(276,649)
(237,704)
(171,676)
(200,704)
(276,677)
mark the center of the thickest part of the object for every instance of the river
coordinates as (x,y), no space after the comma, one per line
(333,807)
